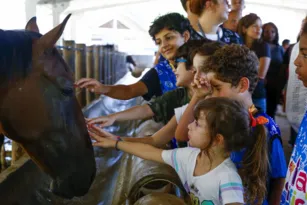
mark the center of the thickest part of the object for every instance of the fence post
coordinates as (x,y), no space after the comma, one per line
(97,64)
(89,71)
(80,69)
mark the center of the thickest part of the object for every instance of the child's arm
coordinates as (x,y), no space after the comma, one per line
(181,133)
(201,88)
(278,172)
(141,150)
(159,139)
(134,113)
(122,92)
(276,187)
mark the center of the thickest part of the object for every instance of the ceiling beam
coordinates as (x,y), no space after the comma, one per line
(78,6)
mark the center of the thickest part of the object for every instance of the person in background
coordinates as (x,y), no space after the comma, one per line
(296,92)
(237,5)
(274,83)
(295,189)
(211,15)
(169,32)
(250,29)
(285,44)
(193,18)
(231,23)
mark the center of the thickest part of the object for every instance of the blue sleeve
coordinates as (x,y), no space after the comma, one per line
(277,160)
(264,50)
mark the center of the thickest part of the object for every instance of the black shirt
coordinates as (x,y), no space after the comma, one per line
(152,82)
(262,49)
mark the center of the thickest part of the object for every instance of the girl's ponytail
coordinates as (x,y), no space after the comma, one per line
(255,164)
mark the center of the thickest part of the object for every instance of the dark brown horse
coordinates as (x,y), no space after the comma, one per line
(38,108)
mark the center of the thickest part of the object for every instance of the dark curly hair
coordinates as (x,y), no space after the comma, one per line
(233,62)
(170,21)
(207,49)
(186,50)
(275,41)
(229,118)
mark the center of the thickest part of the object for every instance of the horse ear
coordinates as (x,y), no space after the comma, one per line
(32,25)
(50,38)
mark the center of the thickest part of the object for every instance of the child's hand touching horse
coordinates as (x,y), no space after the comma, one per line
(103,138)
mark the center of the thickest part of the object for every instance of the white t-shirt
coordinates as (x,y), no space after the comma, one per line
(222,185)
(296,94)
(179,112)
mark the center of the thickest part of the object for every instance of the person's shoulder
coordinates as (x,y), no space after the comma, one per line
(231,36)
(271,125)
(228,171)
(186,152)
(262,44)
(228,32)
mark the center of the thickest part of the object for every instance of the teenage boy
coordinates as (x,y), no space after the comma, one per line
(169,32)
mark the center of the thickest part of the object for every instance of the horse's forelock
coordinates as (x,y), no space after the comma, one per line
(15,54)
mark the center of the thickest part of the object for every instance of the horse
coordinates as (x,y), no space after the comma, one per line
(39,110)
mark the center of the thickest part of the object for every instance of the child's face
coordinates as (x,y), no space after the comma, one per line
(254,31)
(198,62)
(220,88)
(198,133)
(168,42)
(184,77)
(301,61)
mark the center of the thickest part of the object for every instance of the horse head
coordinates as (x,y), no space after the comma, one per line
(39,110)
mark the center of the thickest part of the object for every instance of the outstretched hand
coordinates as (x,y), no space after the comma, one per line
(93,85)
(102,137)
(103,121)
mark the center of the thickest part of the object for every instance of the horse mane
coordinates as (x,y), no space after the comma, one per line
(15,54)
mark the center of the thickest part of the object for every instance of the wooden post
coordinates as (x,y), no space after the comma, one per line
(97,64)
(17,151)
(89,71)
(3,155)
(80,70)
(69,54)
(102,66)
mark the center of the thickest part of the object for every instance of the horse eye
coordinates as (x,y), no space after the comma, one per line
(67,91)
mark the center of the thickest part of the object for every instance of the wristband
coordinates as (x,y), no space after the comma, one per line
(116,143)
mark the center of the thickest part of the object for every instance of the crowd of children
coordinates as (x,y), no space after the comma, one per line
(213,87)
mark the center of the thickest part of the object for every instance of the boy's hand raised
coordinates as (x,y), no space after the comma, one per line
(93,85)
(104,121)
(201,87)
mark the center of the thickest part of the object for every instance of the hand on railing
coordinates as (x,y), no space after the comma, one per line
(92,85)
(104,121)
